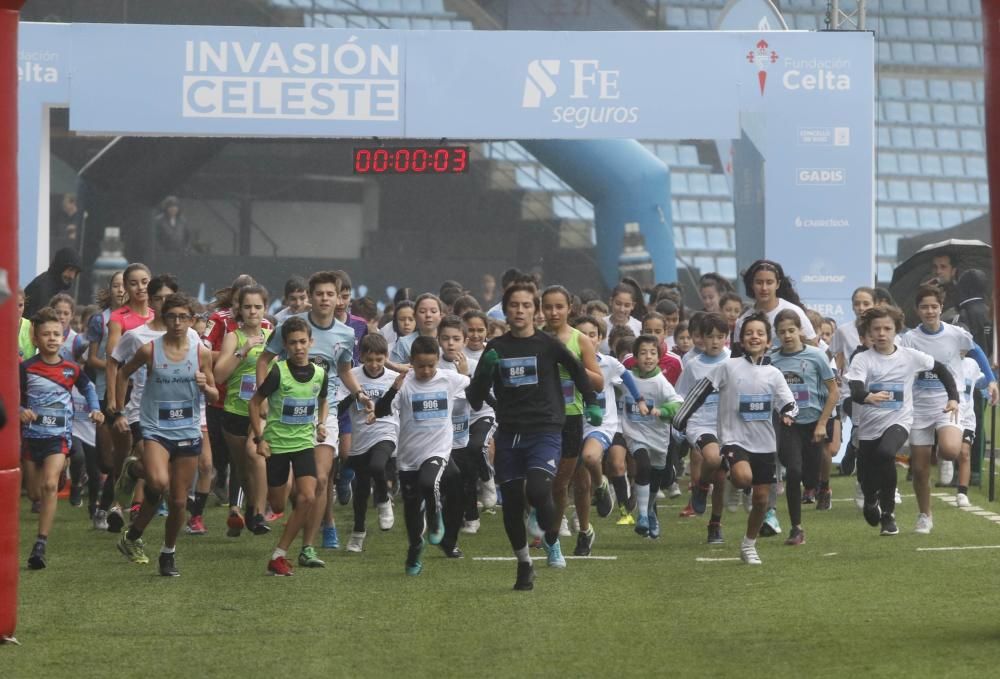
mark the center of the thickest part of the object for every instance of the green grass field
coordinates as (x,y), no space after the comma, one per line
(847,602)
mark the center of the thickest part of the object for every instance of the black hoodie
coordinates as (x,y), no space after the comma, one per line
(50,282)
(973,310)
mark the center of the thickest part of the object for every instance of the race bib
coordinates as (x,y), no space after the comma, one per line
(569,391)
(755,407)
(519,372)
(460,426)
(894,388)
(374,393)
(927,379)
(298,410)
(633,413)
(175,414)
(602,402)
(50,421)
(430,405)
(801,393)
(248,387)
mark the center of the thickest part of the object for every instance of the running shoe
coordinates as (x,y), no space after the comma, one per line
(525,577)
(100,519)
(357,542)
(687,512)
(946,471)
(715,534)
(699,498)
(451,551)
(386,519)
(330,538)
(859,496)
(749,556)
(554,554)
(36,561)
(536,543)
(770,526)
(309,558)
(125,484)
(747,500)
(603,497)
(36,507)
(234,524)
(116,520)
(270,516)
(344,490)
(962,500)
(898,499)
(564,531)
(134,550)
(660,495)
(280,566)
(847,463)
(413,563)
(625,517)
(576,525)
(437,534)
(654,525)
(533,528)
(471,527)
(674,490)
(872,513)
(824,500)
(488,493)
(796,537)
(163,510)
(889,525)
(584,542)
(75,495)
(733,497)
(642,525)
(258,526)
(925,524)
(168,565)
(195,526)
(809,496)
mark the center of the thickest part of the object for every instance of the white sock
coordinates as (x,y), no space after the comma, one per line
(278,552)
(642,499)
(748,542)
(523,555)
(167,550)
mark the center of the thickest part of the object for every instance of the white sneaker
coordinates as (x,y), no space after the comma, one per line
(386,519)
(100,520)
(534,530)
(470,527)
(576,523)
(564,531)
(859,496)
(660,495)
(674,490)
(899,498)
(747,500)
(733,497)
(357,543)
(946,471)
(748,554)
(488,494)
(962,500)
(924,524)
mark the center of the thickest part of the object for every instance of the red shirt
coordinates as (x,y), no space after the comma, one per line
(128,319)
(670,365)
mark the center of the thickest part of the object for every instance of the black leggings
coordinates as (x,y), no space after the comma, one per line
(879,456)
(85,457)
(799,455)
(220,451)
(480,434)
(434,488)
(535,489)
(369,469)
(645,474)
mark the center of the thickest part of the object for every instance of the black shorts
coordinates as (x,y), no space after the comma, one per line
(36,450)
(619,440)
(761,464)
(345,423)
(178,449)
(136,430)
(572,437)
(301,463)
(234,424)
(706,440)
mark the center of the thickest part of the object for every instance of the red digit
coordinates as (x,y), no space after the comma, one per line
(362,161)
(461,158)
(402,160)
(441,160)
(381,161)
(420,160)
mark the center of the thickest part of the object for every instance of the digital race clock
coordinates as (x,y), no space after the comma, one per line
(411,160)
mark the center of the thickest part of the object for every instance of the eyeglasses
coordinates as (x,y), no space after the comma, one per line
(174,318)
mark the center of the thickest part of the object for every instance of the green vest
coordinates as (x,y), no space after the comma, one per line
(292,411)
(25,345)
(571,397)
(242,384)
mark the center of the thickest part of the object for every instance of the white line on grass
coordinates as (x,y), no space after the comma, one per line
(956,549)
(831,554)
(705,559)
(539,558)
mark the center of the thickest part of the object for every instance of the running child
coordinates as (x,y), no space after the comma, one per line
(482,425)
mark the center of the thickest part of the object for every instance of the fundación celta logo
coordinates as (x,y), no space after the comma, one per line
(762,56)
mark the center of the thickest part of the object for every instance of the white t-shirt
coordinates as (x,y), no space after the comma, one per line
(126,348)
(461,416)
(389,333)
(425,410)
(386,428)
(748,393)
(895,373)
(972,373)
(845,340)
(705,420)
(945,346)
(807,327)
(649,431)
(612,369)
(83,427)
(487,409)
(634,324)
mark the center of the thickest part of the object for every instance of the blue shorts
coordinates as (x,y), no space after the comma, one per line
(345,422)
(601,438)
(37,450)
(517,453)
(181,448)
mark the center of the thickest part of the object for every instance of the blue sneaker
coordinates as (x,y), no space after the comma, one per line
(699,499)
(554,554)
(437,534)
(413,563)
(654,526)
(163,510)
(771,527)
(330,538)
(344,485)
(642,525)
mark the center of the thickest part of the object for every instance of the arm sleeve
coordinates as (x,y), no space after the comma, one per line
(575,370)
(858,391)
(976,354)
(482,379)
(271,382)
(86,388)
(947,379)
(694,400)
(324,391)
(630,384)
(23,376)
(95,328)
(384,405)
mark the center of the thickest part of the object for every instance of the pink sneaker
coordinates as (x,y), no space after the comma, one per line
(195,526)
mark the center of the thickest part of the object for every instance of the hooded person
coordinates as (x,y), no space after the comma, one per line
(973,311)
(59,277)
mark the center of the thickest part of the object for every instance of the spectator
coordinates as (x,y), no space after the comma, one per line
(172,233)
(973,309)
(59,277)
(66,224)
(488,295)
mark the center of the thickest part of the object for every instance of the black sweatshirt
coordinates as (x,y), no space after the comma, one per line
(526,384)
